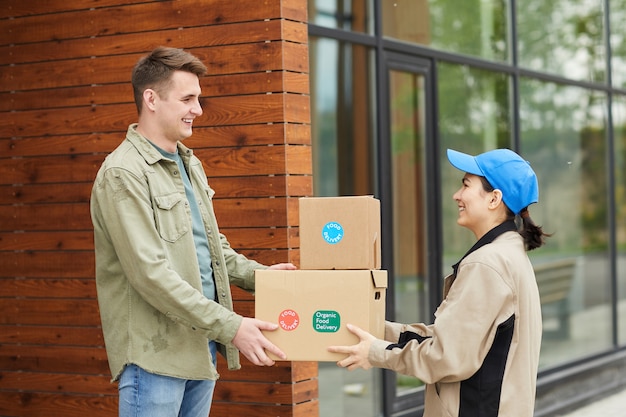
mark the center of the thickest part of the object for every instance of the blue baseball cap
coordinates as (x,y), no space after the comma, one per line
(506,171)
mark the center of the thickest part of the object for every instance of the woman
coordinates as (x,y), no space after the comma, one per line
(480,356)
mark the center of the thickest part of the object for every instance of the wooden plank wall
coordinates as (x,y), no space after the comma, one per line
(65,102)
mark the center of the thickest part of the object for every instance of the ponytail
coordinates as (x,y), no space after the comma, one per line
(534,236)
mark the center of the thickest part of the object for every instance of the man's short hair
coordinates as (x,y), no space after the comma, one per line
(155,70)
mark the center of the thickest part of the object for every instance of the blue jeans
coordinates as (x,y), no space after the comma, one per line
(142,394)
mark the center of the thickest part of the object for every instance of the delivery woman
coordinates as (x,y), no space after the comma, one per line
(481,354)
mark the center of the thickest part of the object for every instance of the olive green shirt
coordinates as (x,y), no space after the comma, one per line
(153,312)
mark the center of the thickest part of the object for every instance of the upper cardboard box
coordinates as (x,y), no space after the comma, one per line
(340,232)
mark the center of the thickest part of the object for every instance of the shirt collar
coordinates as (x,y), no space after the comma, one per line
(490,236)
(147,150)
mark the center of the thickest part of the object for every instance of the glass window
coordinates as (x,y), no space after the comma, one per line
(342,124)
(619,126)
(470,27)
(618,42)
(352,15)
(474,116)
(563,37)
(563,136)
(408,181)
(342,129)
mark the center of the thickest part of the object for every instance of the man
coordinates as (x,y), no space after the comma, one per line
(163,269)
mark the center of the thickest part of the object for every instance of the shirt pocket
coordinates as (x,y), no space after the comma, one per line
(435,399)
(171,216)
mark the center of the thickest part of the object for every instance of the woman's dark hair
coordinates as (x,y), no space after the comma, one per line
(533,235)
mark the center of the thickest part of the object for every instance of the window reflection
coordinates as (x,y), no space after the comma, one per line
(342,122)
(474,116)
(619,126)
(563,37)
(353,15)
(618,42)
(563,136)
(342,130)
(469,27)
(408,136)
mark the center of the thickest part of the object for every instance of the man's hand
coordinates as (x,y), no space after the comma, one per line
(251,342)
(286,265)
(358,355)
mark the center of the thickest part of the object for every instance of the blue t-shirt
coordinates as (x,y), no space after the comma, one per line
(199,233)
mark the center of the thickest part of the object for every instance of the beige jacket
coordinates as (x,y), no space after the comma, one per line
(481,353)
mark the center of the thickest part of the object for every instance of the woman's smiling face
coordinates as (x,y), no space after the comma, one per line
(473,203)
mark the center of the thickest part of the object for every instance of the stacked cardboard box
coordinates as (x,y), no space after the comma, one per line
(339,280)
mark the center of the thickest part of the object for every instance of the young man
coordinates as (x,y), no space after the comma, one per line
(163,269)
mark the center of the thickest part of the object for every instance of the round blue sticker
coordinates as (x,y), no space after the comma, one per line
(332,232)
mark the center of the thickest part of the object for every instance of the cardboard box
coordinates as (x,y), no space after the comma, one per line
(312,309)
(340,233)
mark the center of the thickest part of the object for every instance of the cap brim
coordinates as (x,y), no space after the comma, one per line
(464,162)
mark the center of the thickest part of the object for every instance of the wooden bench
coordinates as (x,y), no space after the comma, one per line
(554,280)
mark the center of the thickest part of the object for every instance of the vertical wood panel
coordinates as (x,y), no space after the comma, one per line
(65,102)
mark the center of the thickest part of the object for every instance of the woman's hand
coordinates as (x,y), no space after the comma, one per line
(358,355)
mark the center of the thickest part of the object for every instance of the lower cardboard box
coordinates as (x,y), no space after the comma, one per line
(312,308)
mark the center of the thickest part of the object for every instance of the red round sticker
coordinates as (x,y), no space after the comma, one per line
(288,320)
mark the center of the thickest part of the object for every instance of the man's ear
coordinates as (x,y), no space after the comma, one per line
(149,98)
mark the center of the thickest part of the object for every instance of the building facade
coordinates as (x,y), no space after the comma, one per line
(396,83)
(326,98)
(65,102)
